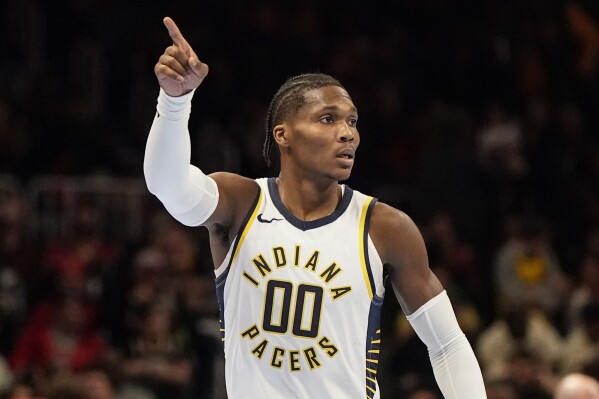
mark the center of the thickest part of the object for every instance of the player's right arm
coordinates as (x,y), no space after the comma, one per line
(190,196)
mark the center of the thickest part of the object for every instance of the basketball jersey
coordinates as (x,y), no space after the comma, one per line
(300,302)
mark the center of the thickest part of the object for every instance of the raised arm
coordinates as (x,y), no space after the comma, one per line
(191,197)
(425,302)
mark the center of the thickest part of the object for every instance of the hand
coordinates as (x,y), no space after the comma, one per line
(179,69)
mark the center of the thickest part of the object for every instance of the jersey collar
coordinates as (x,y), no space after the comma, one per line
(311,224)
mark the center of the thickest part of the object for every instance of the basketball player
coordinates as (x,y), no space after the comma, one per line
(299,258)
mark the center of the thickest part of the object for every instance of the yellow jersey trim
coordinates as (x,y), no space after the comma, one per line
(362,242)
(247,228)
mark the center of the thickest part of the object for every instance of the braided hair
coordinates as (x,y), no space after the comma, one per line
(289,98)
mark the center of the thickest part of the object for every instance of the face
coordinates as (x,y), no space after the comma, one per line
(158,324)
(322,137)
(72,316)
(97,385)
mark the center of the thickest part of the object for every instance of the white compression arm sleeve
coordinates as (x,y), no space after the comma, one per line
(456,369)
(186,192)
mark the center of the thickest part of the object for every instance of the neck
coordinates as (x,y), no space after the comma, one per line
(307,199)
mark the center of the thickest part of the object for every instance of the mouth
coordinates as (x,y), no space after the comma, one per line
(348,153)
(346,157)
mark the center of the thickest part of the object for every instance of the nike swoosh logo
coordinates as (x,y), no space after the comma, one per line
(266,220)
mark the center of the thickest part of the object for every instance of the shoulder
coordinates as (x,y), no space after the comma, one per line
(241,188)
(400,245)
(233,181)
(236,196)
(387,217)
(391,230)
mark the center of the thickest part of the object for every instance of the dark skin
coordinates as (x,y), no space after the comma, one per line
(317,145)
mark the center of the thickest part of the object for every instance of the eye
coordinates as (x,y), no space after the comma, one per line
(327,119)
(353,122)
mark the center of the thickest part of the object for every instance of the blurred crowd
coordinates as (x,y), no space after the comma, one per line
(479,119)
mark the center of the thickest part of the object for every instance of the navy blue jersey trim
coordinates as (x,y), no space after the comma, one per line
(219,280)
(373,345)
(312,224)
(220,295)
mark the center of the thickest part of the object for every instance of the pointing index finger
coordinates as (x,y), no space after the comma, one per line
(176,35)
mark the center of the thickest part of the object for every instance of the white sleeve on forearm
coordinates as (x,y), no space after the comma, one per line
(456,369)
(186,192)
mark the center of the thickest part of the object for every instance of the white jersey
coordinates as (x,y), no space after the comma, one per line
(300,302)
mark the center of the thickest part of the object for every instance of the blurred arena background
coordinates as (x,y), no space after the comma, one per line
(479,119)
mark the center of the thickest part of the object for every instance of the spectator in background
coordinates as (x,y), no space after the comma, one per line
(529,377)
(584,28)
(176,243)
(102,384)
(500,146)
(521,328)
(158,355)
(79,262)
(29,385)
(155,280)
(12,308)
(446,247)
(454,263)
(500,390)
(6,377)
(58,336)
(199,314)
(85,262)
(581,347)
(577,386)
(20,391)
(151,281)
(582,17)
(423,394)
(586,289)
(528,272)
(65,386)
(592,369)
(18,260)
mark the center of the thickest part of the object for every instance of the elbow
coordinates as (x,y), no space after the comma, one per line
(153,180)
(150,183)
(152,187)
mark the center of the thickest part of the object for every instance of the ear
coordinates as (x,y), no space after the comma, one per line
(280,135)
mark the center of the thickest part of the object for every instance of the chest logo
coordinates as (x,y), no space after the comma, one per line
(294,308)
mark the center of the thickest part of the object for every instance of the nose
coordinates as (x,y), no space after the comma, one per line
(346,134)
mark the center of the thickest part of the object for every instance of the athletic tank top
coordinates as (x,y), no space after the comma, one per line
(300,302)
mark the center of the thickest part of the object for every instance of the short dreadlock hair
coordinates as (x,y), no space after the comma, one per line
(289,98)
